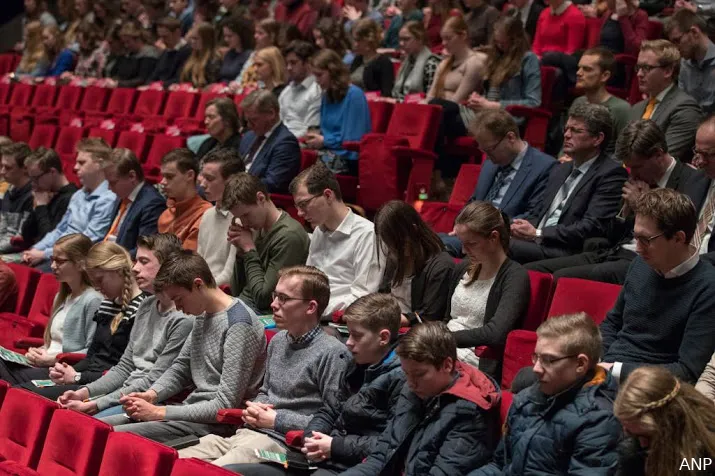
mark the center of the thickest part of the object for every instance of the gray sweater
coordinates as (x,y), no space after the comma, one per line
(154,343)
(301,378)
(79,326)
(223,357)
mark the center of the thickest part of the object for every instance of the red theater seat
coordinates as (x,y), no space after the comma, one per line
(24,420)
(27,280)
(520,345)
(129,454)
(16,326)
(582,295)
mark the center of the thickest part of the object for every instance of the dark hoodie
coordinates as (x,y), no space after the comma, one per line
(449,434)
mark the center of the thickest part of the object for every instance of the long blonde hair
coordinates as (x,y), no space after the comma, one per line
(458,26)
(272,55)
(108,256)
(195,68)
(679,420)
(34,51)
(76,246)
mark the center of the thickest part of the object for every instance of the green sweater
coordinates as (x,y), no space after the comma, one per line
(255,273)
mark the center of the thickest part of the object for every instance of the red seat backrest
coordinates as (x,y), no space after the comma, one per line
(465,184)
(195,467)
(95,99)
(47,288)
(21,95)
(655,30)
(24,419)
(109,135)
(45,95)
(180,104)
(67,140)
(520,344)
(5,89)
(4,386)
(593,32)
(581,295)
(43,135)
(160,146)
(548,80)
(127,453)
(27,279)
(74,445)
(121,101)
(69,98)
(541,288)
(7,63)
(419,123)
(137,142)
(380,114)
(149,103)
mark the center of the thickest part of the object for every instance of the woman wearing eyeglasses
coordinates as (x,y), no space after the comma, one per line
(71,325)
(489,292)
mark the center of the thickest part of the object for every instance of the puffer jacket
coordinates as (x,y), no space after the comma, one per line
(574,432)
(446,435)
(357,423)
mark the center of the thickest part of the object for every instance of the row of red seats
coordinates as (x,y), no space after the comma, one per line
(37,438)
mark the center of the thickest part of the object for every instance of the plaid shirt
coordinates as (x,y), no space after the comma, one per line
(305,338)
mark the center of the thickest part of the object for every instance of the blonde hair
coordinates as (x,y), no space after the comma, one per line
(108,256)
(76,246)
(667,53)
(458,26)
(60,43)
(274,58)
(34,50)
(194,70)
(578,334)
(679,420)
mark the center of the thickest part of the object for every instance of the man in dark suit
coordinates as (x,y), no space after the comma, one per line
(642,147)
(171,61)
(581,195)
(528,12)
(138,206)
(514,176)
(670,107)
(269,150)
(705,159)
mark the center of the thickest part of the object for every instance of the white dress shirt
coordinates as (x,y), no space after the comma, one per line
(300,105)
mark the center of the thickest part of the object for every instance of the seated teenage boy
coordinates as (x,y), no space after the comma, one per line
(339,437)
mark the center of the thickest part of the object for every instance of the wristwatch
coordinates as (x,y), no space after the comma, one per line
(77,377)
(539,235)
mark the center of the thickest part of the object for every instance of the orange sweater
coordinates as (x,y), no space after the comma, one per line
(183,220)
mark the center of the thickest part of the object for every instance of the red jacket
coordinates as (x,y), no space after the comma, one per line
(565,33)
(634,29)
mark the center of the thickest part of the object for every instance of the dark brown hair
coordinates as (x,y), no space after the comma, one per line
(181,270)
(428,343)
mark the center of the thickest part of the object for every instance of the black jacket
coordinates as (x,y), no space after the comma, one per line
(210,144)
(379,74)
(141,219)
(45,218)
(507,305)
(430,289)
(169,65)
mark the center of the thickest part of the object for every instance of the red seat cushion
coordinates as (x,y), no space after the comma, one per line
(24,420)
(126,453)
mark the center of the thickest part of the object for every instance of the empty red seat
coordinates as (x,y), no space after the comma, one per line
(137,142)
(440,216)
(20,97)
(43,135)
(380,114)
(582,295)
(68,100)
(179,105)
(7,63)
(149,103)
(541,288)
(195,467)
(14,327)
(24,420)
(5,89)
(192,125)
(127,453)
(520,345)
(121,101)
(22,118)
(160,146)
(109,135)
(27,280)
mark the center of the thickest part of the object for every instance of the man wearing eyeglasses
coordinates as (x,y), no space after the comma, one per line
(564,422)
(16,205)
(676,112)
(663,315)
(705,159)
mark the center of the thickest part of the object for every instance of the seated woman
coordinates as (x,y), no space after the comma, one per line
(419,65)
(344,114)
(159,333)
(489,292)
(561,28)
(36,10)
(624,27)
(408,12)
(91,59)
(369,70)
(71,325)
(435,16)
(60,59)
(110,269)
(667,423)
(418,268)
(512,73)
(480,21)
(271,70)
(221,120)
(330,35)
(204,63)
(136,66)
(265,35)
(33,61)
(238,36)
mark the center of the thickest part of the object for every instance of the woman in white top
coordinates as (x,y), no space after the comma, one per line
(489,292)
(71,325)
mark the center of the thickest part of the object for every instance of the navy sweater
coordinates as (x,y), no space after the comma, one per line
(658,321)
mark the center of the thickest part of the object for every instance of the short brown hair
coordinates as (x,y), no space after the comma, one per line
(171,24)
(229,161)
(18,151)
(314,284)
(667,53)
(162,245)
(672,211)
(498,122)
(578,333)
(606,58)
(317,178)
(45,159)
(367,29)
(242,188)
(684,20)
(642,138)
(96,147)
(184,158)
(375,312)
(226,109)
(428,343)
(181,270)
(125,161)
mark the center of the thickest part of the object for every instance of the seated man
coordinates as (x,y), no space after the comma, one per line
(643,149)
(670,107)
(303,372)
(689,32)
(8,288)
(279,241)
(223,358)
(217,167)
(172,59)
(564,423)
(300,100)
(514,176)
(581,195)
(663,315)
(138,205)
(269,150)
(343,243)
(16,205)
(705,158)
(445,417)
(90,210)
(340,437)
(157,337)
(185,207)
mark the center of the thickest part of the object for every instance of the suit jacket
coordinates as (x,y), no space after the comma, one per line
(593,202)
(678,115)
(526,190)
(277,162)
(533,18)
(141,218)
(698,188)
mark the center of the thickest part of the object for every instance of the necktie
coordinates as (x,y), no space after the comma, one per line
(500,181)
(120,214)
(708,212)
(254,148)
(552,218)
(649,108)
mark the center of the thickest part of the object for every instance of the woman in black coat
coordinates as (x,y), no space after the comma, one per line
(369,70)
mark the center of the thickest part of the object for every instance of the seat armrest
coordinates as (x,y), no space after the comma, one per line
(70,358)
(413,153)
(230,416)
(352,145)
(295,438)
(528,112)
(487,352)
(27,342)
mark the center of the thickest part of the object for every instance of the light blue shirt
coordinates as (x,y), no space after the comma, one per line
(88,213)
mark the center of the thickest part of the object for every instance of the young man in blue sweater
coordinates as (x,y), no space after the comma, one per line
(663,315)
